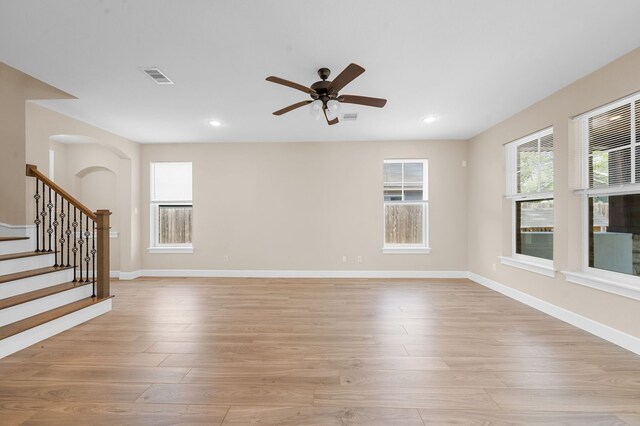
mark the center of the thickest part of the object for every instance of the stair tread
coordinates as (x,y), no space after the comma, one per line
(24,254)
(38,294)
(13,238)
(36,320)
(31,273)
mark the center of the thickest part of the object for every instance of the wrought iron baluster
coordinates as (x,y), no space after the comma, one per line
(36,221)
(55,227)
(76,242)
(43,215)
(50,230)
(62,239)
(68,233)
(93,257)
(87,259)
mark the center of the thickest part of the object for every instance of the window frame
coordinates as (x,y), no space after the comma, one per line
(619,283)
(423,248)
(154,214)
(523,261)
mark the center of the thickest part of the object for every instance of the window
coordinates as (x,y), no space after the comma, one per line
(530,189)
(171,207)
(611,187)
(405,206)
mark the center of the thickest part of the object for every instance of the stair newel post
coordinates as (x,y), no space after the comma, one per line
(103,229)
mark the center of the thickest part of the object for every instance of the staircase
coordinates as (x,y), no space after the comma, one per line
(59,280)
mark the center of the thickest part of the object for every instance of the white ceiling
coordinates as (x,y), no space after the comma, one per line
(473,62)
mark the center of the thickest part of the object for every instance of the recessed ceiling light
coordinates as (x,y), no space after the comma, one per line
(431,118)
(215,123)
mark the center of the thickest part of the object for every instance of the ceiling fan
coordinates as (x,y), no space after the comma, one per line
(324,94)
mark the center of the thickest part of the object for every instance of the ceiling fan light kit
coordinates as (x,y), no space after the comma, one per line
(325,97)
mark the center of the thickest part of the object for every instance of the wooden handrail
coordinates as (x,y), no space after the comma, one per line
(32,171)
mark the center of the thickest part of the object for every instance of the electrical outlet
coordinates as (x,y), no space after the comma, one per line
(359,259)
(226,258)
(464,163)
(493,267)
(344,259)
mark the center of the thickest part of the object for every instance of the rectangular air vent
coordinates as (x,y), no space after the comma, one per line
(156,75)
(350,116)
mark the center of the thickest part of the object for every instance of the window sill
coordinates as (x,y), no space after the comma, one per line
(543,268)
(170,250)
(406,250)
(614,286)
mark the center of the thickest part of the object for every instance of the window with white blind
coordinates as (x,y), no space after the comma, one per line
(405,206)
(611,187)
(530,189)
(171,207)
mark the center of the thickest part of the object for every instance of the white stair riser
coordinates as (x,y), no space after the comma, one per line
(26,263)
(25,285)
(7,230)
(15,246)
(37,334)
(38,306)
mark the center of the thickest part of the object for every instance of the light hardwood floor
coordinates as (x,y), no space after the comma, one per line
(321,352)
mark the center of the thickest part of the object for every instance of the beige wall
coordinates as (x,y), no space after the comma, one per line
(15,89)
(489,218)
(302,206)
(99,150)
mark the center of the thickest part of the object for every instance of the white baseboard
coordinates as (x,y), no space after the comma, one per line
(605,332)
(37,334)
(124,276)
(232,273)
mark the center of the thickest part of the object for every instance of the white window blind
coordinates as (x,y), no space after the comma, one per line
(613,154)
(171,182)
(530,160)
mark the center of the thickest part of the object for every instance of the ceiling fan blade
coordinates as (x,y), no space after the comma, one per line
(345,77)
(291,107)
(329,122)
(291,84)
(363,100)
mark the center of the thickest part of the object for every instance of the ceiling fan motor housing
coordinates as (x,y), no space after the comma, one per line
(322,87)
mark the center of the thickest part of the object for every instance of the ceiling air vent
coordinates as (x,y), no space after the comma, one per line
(156,75)
(350,116)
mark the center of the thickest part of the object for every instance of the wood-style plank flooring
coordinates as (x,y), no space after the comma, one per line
(319,352)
